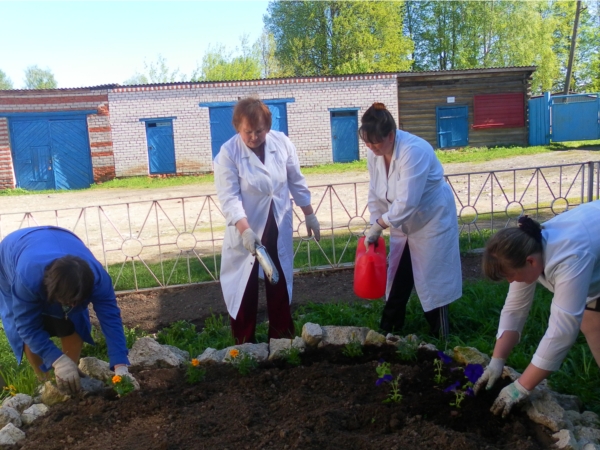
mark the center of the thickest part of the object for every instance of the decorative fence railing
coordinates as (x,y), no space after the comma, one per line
(177,241)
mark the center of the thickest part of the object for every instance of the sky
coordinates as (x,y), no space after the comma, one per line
(90,43)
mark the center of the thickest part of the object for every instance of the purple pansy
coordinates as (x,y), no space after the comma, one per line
(445,358)
(453,387)
(384,379)
(473,372)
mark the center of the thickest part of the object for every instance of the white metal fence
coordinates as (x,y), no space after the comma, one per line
(178,241)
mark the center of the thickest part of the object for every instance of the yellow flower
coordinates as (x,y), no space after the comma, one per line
(11,389)
(195,362)
(116,379)
(234,352)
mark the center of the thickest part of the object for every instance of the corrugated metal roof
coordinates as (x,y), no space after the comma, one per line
(99,87)
(182,83)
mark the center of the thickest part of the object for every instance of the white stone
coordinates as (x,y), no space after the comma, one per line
(543,409)
(312,334)
(278,348)
(146,352)
(470,355)
(10,435)
(185,355)
(374,338)
(51,395)
(91,385)
(9,415)
(20,402)
(33,412)
(95,368)
(209,355)
(334,335)
(299,343)
(565,440)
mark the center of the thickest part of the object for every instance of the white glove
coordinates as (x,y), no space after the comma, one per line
(67,375)
(509,396)
(250,240)
(372,234)
(312,226)
(123,371)
(492,372)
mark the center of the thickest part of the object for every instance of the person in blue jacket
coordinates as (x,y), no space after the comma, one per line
(48,278)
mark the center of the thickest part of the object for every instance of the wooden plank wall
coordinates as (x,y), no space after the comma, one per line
(419,95)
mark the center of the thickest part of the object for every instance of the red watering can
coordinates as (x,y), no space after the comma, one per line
(370,270)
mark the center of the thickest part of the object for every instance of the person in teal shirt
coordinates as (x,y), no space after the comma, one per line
(48,278)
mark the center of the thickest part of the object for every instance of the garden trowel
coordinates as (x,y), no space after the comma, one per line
(267,265)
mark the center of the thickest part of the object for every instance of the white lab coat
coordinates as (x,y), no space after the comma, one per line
(571,253)
(418,205)
(245,188)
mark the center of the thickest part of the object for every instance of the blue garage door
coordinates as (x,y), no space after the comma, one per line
(51,153)
(344,135)
(452,126)
(161,147)
(221,117)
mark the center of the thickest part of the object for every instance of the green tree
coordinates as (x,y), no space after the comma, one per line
(335,37)
(265,47)
(221,64)
(156,72)
(5,82)
(37,78)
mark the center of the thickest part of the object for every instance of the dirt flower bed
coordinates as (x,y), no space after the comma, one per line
(329,401)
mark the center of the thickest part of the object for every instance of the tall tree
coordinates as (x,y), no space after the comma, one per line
(37,78)
(265,49)
(335,37)
(155,72)
(5,82)
(221,64)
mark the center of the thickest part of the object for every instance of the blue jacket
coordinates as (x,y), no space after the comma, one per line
(24,255)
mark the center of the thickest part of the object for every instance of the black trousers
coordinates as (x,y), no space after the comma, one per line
(394,312)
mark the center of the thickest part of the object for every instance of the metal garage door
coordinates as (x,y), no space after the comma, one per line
(51,153)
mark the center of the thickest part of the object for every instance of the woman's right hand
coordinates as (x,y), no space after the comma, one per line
(250,240)
(491,374)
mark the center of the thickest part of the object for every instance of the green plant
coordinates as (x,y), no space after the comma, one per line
(438,367)
(384,375)
(194,373)
(394,396)
(122,385)
(292,356)
(353,349)
(244,362)
(407,349)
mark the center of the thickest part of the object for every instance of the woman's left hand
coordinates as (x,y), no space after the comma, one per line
(312,226)
(511,395)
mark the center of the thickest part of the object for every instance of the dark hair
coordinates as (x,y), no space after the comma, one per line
(253,110)
(376,124)
(68,280)
(509,248)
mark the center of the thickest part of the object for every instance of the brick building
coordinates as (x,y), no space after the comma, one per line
(70,138)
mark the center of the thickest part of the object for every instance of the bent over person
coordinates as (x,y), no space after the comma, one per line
(48,278)
(255,173)
(563,255)
(408,194)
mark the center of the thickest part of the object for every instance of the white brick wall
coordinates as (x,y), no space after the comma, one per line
(308,116)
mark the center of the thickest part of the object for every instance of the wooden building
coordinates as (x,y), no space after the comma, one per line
(456,108)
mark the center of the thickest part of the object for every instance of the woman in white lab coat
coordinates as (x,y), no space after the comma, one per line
(255,173)
(564,256)
(408,194)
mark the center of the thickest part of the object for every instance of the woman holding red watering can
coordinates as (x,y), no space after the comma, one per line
(408,194)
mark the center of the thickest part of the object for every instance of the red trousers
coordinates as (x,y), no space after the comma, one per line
(281,324)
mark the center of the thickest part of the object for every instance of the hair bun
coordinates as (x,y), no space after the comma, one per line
(379,106)
(531,227)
